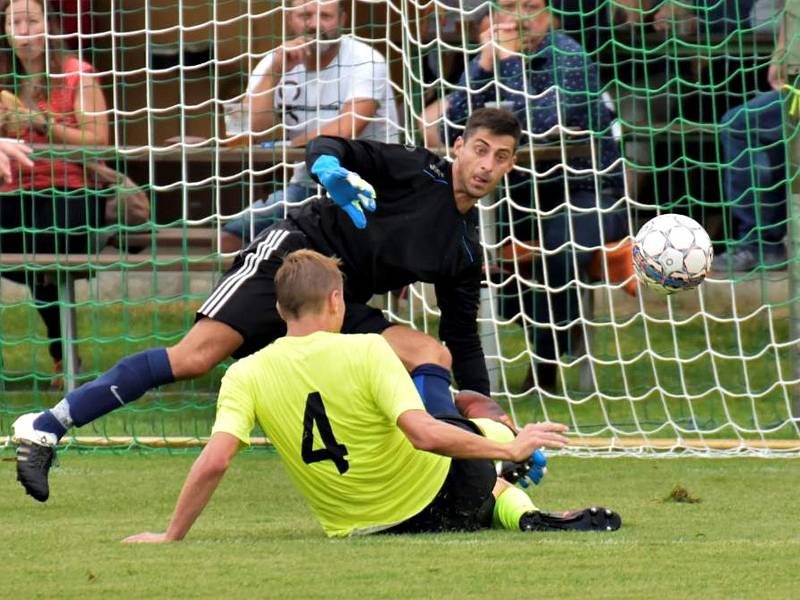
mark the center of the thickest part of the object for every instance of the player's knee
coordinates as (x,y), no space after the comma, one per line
(436,353)
(445,358)
(187,363)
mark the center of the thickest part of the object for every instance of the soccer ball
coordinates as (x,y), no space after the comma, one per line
(672,253)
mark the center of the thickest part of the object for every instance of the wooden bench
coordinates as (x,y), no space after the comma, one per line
(71,267)
(169,239)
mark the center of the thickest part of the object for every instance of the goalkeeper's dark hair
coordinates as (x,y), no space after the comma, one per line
(495,120)
(304,281)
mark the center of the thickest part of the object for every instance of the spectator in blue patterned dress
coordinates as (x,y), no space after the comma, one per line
(552,84)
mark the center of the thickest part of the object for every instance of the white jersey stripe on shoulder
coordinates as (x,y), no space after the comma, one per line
(244,268)
(248,268)
(265,253)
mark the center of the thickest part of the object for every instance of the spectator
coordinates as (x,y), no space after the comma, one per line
(556,86)
(320,82)
(49,96)
(753,148)
(663,86)
(586,21)
(695,18)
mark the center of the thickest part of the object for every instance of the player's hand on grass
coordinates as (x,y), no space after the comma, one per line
(537,435)
(345,188)
(147,538)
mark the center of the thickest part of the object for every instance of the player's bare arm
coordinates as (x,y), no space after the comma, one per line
(203,479)
(431,435)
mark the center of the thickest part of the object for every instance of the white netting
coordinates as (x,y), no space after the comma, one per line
(713,370)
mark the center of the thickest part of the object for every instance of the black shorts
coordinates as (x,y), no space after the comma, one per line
(245,299)
(464,502)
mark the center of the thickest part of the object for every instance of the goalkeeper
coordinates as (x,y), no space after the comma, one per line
(352,432)
(420,224)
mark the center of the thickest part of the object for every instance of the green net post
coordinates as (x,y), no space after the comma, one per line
(66,302)
(793,244)
(794,251)
(792,62)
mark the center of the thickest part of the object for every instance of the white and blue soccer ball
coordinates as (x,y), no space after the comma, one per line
(672,253)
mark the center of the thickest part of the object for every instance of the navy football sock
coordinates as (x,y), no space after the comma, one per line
(48,422)
(123,383)
(433,385)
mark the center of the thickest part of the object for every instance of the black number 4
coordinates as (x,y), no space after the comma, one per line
(315,413)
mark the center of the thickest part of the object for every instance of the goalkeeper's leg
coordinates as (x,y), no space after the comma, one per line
(36,434)
(429,363)
(474,405)
(216,335)
(206,345)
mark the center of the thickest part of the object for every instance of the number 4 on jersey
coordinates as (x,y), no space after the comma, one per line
(315,413)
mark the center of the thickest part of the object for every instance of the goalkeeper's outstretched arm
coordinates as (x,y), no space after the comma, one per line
(203,479)
(360,156)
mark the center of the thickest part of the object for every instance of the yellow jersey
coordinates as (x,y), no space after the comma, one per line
(329,403)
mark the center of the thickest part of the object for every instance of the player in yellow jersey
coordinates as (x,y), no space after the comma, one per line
(354,434)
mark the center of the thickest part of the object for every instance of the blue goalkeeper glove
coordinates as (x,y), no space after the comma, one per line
(538,464)
(531,471)
(345,188)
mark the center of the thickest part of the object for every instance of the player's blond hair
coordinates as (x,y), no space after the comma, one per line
(304,281)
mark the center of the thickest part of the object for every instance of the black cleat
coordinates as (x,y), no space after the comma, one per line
(596,518)
(512,472)
(33,464)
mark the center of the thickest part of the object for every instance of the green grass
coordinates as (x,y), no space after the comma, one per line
(257,539)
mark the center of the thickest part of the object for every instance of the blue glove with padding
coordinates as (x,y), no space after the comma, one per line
(531,471)
(345,188)
(538,464)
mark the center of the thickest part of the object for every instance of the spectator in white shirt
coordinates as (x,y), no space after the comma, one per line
(318,83)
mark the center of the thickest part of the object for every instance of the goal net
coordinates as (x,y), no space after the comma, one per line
(628,110)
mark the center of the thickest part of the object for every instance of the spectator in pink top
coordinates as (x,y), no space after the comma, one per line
(49,97)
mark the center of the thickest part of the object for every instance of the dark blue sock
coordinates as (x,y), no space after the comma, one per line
(123,383)
(433,385)
(47,422)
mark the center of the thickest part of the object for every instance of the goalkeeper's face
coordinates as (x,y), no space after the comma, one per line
(481,160)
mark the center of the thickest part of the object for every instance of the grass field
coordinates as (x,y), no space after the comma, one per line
(258,540)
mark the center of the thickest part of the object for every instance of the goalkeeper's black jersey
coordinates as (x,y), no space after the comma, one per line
(415,234)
